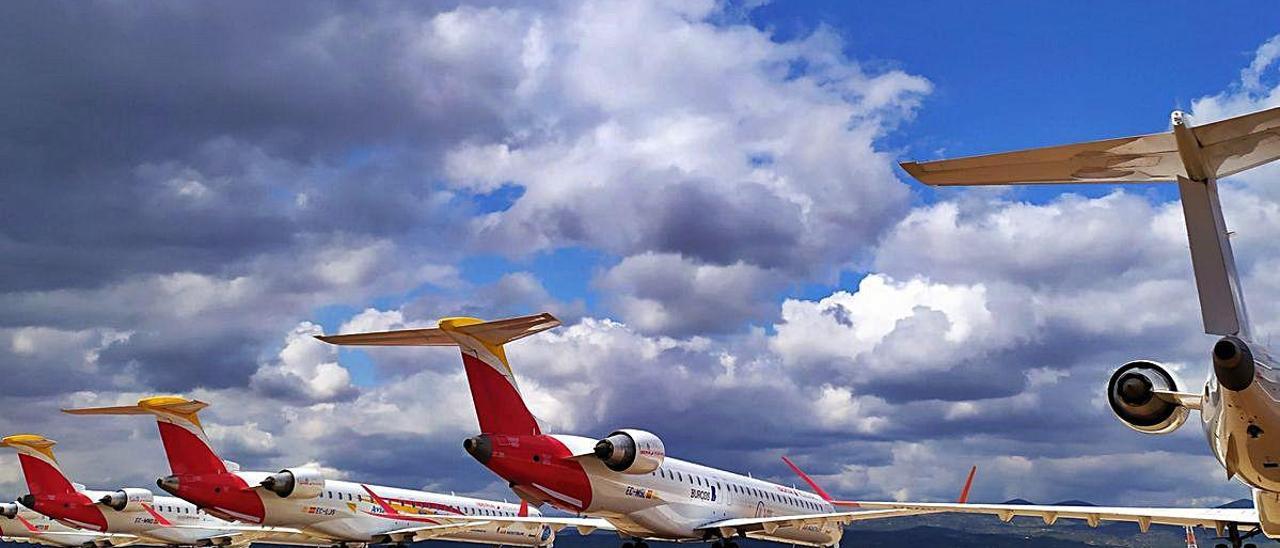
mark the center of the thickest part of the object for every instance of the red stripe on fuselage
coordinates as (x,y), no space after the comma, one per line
(499,406)
(187,453)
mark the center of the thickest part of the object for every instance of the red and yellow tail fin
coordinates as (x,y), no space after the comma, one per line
(499,405)
(185,443)
(39,466)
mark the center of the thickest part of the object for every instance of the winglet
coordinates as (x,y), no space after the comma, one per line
(817,488)
(813,484)
(380,502)
(968,484)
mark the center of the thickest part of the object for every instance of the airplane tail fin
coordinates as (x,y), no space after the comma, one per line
(499,405)
(1193,157)
(40,468)
(178,418)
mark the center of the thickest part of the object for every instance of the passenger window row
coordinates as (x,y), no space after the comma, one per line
(739,489)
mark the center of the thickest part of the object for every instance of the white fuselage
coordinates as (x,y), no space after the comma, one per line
(46,530)
(679,497)
(344,511)
(187,525)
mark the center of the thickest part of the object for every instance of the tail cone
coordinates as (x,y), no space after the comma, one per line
(169,484)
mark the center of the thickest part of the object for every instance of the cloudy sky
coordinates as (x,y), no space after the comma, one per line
(706,193)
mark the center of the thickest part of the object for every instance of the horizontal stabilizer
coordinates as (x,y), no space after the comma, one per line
(176,405)
(1213,150)
(495,333)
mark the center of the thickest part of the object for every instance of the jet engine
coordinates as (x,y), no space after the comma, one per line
(1132,395)
(295,483)
(9,510)
(631,451)
(129,498)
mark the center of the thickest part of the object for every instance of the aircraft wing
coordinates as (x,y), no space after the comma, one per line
(768,525)
(1214,150)
(238,534)
(585,526)
(72,538)
(1216,518)
(452,524)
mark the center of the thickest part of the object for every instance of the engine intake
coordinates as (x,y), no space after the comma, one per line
(1131,393)
(296,483)
(10,510)
(129,498)
(631,451)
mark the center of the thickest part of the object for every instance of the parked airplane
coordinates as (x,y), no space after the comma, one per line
(1238,406)
(625,477)
(130,513)
(21,524)
(339,511)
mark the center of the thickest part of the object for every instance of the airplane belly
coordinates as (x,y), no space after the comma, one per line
(1243,429)
(664,521)
(344,528)
(515,534)
(179,536)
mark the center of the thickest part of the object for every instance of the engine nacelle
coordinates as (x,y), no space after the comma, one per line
(631,451)
(10,510)
(295,483)
(1131,393)
(128,499)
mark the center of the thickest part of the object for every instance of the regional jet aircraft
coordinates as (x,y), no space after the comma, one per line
(127,515)
(339,512)
(21,524)
(625,477)
(1239,407)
